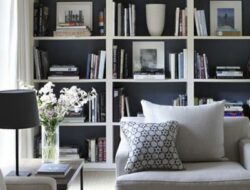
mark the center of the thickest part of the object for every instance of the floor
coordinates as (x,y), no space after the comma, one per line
(96,181)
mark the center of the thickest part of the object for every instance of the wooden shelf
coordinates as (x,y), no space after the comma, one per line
(82,124)
(222,80)
(222,37)
(69,38)
(72,81)
(150,81)
(150,37)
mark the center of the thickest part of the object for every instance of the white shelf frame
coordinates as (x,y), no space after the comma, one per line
(109,81)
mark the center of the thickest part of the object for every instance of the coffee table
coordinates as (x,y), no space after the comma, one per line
(33,165)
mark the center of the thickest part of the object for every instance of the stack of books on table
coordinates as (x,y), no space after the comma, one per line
(54,170)
(96,149)
(74,117)
(200,22)
(229,72)
(180,22)
(201,66)
(69,72)
(69,153)
(72,31)
(181,100)
(234,109)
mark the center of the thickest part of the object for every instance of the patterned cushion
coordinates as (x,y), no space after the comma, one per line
(152,146)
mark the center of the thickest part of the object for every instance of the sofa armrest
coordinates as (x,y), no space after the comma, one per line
(244,147)
(30,183)
(121,157)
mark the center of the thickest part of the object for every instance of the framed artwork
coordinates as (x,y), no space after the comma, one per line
(149,57)
(74,14)
(225,16)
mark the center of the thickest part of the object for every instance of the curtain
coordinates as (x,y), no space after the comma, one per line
(8,73)
(24,65)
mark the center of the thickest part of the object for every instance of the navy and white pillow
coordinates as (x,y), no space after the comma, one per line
(152,146)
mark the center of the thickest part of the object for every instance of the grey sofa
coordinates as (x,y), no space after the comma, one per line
(231,174)
(27,183)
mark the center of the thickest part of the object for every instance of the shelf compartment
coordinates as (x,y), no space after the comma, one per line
(69,38)
(222,80)
(150,38)
(72,81)
(221,37)
(83,124)
(149,81)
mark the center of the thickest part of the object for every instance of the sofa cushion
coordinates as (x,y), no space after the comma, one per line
(197,176)
(152,146)
(2,183)
(201,134)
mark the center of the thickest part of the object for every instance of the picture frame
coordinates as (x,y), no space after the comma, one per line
(63,9)
(149,57)
(225,16)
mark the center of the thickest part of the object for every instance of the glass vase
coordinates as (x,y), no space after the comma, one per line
(50,144)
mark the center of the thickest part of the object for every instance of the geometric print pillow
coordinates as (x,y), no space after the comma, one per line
(152,146)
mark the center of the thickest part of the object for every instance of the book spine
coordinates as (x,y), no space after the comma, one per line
(119,18)
(115,62)
(130,20)
(197,22)
(177,19)
(133,19)
(102,64)
(114,18)
(204,24)
(122,63)
(172,65)
(185,64)
(126,69)
(125,22)
(116,105)
(127,107)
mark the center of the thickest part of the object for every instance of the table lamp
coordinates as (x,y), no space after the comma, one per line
(18,110)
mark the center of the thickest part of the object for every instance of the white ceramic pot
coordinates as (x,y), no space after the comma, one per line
(155,15)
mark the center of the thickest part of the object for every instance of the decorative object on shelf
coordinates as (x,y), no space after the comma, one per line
(149,60)
(18,110)
(102,22)
(52,111)
(226,18)
(155,15)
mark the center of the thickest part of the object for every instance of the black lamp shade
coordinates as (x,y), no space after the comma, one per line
(18,109)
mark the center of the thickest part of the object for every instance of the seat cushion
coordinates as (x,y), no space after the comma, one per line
(197,176)
(2,183)
(201,133)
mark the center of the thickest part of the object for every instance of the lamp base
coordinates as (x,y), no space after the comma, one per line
(21,173)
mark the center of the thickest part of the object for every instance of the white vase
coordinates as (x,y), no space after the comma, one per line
(155,15)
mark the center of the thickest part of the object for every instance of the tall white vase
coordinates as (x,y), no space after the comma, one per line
(155,15)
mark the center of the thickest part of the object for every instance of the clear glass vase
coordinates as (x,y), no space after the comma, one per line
(50,144)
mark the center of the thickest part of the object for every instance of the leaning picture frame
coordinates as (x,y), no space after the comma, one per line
(78,14)
(149,57)
(225,16)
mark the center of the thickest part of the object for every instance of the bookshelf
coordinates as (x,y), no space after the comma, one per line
(220,50)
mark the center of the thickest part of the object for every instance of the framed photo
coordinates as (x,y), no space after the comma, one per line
(225,16)
(74,14)
(149,57)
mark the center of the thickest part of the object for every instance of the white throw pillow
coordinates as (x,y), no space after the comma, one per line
(2,183)
(201,134)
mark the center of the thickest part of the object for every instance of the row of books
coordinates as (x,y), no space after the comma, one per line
(200,22)
(201,66)
(120,63)
(63,72)
(97,108)
(120,104)
(41,63)
(96,65)
(124,19)
(181,100)
(96,149)
(41,14)
(178,63)
(180,22)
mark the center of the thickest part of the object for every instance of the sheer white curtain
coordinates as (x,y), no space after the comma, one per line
(8,72)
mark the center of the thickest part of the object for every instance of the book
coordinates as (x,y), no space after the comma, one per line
(37,62)
(172,65)
(177,19)
(54,170)
(146,76)
(63,77)
(119,19)
(45,64)
(91,150)
(102,62)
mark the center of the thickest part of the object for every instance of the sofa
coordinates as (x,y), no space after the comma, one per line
(27,183)
(232,173)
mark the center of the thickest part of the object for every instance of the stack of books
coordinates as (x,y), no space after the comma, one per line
(72,31)
(41,63)
(96,65)
(97,108)
(120,63)
(181,100)
(180,22)
(234,109)
(229,72)
(178,65)
(70,72)
(201,66)
(200,22)
(41,15)
(69,153)
(96,149)
(120,105)
(54,170)
(124,19)
(74,117)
